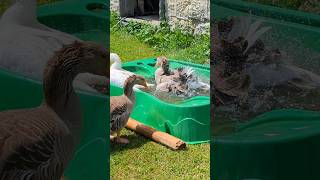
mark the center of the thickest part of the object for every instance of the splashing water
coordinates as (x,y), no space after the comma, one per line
(175,99)
(284,95)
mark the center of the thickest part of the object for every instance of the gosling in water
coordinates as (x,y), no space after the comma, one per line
(38,143)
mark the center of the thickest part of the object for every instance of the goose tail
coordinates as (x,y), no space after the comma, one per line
(248,29)
(188,76)
(115,59)
(187,72)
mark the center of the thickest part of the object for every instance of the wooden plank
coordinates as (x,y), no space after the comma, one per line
(157,136)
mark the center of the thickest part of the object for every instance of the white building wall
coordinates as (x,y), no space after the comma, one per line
(187,14)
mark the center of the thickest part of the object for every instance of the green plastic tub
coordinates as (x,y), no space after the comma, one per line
(91,159)
(271,11)
(280,144)
(86,19)
(188,120)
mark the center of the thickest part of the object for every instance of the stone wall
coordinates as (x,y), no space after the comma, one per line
(191,15)
(114,5)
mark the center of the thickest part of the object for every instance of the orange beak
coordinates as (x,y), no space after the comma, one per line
(146,86)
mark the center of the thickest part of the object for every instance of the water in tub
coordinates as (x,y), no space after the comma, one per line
(176,99)
(291,82)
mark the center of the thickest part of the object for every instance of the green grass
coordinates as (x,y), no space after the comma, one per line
(175,44)
(3,6)
(143,158)
(138,50)
(129,47)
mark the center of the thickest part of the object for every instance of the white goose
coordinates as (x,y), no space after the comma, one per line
(26,45)
(118,75)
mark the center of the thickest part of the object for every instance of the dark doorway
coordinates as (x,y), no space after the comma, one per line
(147,7)
(151,7)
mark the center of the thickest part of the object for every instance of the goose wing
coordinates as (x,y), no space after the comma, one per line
(31,147)
(120,110)
(304,79)
(33,160)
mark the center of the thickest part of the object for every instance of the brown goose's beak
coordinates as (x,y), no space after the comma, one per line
(146,87)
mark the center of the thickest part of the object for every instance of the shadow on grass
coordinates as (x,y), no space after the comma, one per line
(136,141)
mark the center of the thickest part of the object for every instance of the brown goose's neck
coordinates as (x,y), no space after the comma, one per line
(128,90)
(58,81)
(166,69)
(59,93)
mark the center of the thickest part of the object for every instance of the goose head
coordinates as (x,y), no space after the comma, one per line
(65,65)
(116,61)
(161,61)
(79,57)
(72,59)
(135,80)
(94,58)
(163,64)
(139,80)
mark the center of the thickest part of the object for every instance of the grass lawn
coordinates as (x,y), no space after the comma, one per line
(143,158)
(119,41)
(130,48)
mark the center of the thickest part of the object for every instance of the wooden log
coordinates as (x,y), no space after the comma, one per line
(157,136)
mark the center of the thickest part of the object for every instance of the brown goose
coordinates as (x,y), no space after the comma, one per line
(181,81)
(121,107)
(38,143)
(168,80)
(163,73)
